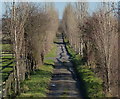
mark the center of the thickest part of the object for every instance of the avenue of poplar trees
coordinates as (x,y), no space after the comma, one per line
(95,38)
(32,28)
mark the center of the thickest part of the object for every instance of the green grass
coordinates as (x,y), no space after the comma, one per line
(7,69)
(6,47)
(7,62)
(52,52)
(92,85)
(4,62)
(4,76)
(49,61)
(37,84)
(7,56)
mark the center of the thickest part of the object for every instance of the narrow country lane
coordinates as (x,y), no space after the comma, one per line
(64,82)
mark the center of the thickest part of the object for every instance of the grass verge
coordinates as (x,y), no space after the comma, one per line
(91,84)
(37,84)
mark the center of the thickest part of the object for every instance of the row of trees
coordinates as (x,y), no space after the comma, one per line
(32,28)
(95,38)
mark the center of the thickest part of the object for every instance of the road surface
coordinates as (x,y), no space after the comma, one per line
(64,82)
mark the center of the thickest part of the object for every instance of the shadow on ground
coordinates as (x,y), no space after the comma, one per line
(64,82)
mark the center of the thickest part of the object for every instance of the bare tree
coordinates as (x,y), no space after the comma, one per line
(104,37)
(70,26)
(32,36)
(18,19)
(97,43)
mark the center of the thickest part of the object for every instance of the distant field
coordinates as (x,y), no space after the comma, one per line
(6,61)
(5,47)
